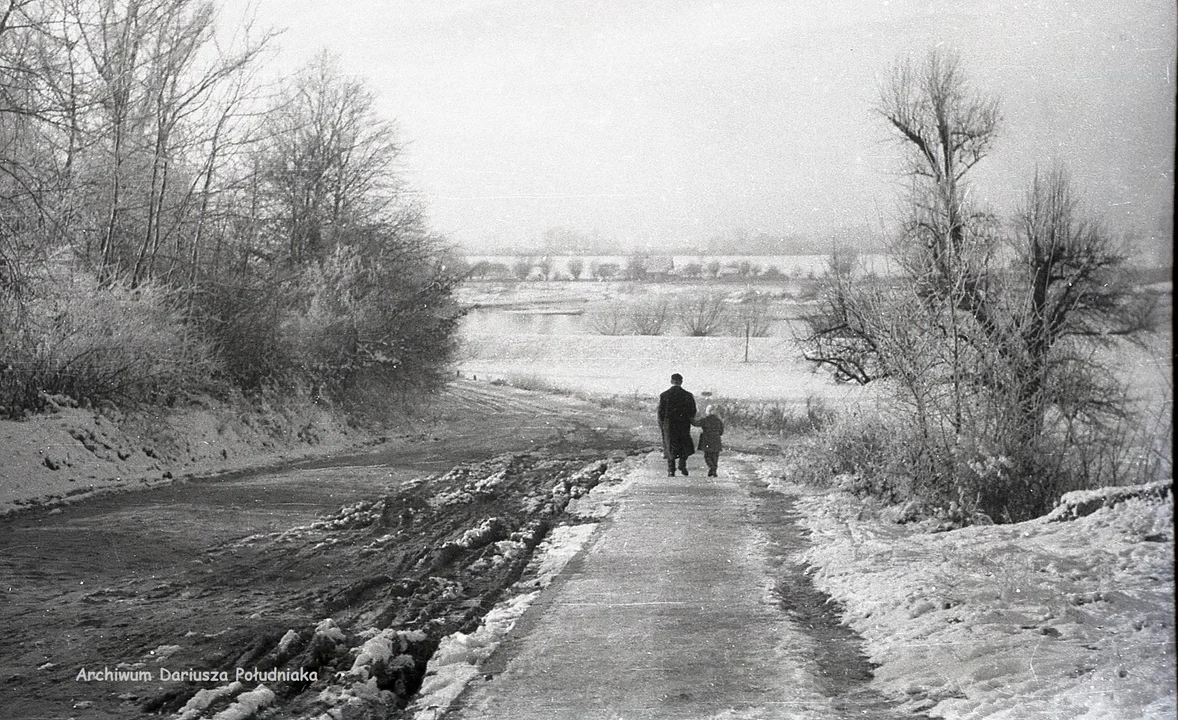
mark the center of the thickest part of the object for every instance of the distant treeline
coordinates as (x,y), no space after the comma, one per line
(563,241)
(641,266)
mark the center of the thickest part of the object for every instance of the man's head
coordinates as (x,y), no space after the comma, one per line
(676,379)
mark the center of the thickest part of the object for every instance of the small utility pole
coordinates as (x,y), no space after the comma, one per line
(747,330)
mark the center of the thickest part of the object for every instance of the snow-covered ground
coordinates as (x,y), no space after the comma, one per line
(1035,620)
(1041,619)
(641,365)
(1049,619)
(72,453)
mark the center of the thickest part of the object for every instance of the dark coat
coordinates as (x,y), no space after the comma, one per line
(709,439)
(676,411)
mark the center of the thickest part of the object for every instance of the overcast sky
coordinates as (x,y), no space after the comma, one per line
(651,120)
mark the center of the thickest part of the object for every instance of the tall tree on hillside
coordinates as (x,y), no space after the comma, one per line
(111,36)
(984,337)
(23,114)
(329,160)
(182,82)
(137,83)
(363,288)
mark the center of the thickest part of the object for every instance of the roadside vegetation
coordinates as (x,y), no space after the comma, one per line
(998,341)
(771,417)
(172,227)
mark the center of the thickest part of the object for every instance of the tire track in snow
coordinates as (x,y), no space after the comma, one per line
(839,665)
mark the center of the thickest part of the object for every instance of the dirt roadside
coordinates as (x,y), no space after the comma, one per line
(243,571)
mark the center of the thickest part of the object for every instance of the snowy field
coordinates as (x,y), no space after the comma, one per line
(535,334)
(641,365)
(515,338)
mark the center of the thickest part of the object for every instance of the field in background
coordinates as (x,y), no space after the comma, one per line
(641,365)
(536,334)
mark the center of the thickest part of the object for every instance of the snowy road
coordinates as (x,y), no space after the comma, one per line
(672,611)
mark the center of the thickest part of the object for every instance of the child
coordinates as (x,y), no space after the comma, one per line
(709,439)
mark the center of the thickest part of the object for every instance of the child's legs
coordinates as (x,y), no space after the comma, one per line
(712,459)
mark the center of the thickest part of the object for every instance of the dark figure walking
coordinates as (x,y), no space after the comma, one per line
(709,440)
(676,411)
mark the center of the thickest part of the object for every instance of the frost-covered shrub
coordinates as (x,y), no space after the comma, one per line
(609,319)
(101,344)
(535,383)
(786,419)
(374,319)
(701,314)
(860,453)
(243,322)
(649,316)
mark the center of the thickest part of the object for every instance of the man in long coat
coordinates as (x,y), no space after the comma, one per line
(676,411)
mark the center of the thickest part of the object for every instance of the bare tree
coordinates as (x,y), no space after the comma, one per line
(1070,292)
(608,319)
(25,118)
(181,84)
(945,128)
(987,335)
(636,266)
(329,159)
(604,270)
(522,267)
(132,136)
(112,37)
(701,314)
(750,317)
(650,316)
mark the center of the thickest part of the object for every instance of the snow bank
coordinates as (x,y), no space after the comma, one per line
(1037,620)
(199,702)
(458,656)
(72,453)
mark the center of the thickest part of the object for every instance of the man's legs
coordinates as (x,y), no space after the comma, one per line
(682,464)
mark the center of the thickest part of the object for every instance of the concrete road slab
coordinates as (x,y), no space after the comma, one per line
(669,613)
